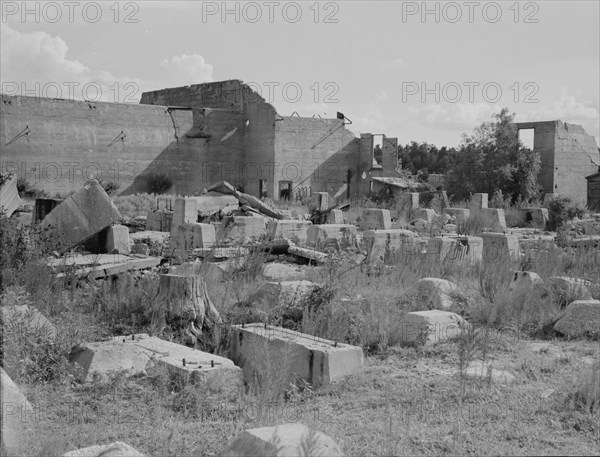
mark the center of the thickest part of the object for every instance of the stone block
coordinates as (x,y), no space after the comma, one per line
(36,321)
(285,440)
(82,215)
(478,202)
(117,240)
(243,228)
(375,219)
(16,414)
(428,327)
(437,292)
(579,318)
(116,449)
(425,214)
(338,236)
(159,221)
(135,355)
(296,231)
(335,216)
(493,219)
(319,201)
(460,215)
(500,248)
(186,211)
(316,360)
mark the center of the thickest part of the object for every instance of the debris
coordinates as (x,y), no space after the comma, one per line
(225,188)
(310,254)
(9,195)
(116,449)
(81,215)
(579,318)
(100,265)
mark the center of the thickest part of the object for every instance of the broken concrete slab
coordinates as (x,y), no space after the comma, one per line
(296,231)
(213,202)
(437,292)
(159,221)
(287,440)
(580,318)
(375,219)
(499,248)
(316,360)
(135,354)
(117,240)
(283,272)
(16,414)
(337,236)
(36,321)
(567,290)
(116,449)
(428,327)
(9,195)
(82,215)
(493,219)
(225,188)
(483,371)
(43,207)
(100,265)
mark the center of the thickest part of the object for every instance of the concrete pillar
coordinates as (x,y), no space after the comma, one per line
(117,240)
(478,201)
(186,211)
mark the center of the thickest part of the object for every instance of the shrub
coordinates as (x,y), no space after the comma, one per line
(159,183)
(110,187)
(561,210)
(28,191)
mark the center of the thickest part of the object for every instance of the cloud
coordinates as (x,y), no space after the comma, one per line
(456,116)
(38,64)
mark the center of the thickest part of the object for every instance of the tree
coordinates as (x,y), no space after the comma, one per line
(493,158)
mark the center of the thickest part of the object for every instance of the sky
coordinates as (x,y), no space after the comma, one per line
(418,71)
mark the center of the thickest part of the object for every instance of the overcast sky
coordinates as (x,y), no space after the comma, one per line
(382,64)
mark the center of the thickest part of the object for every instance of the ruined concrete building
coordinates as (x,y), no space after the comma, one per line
(197,135)
(568,154)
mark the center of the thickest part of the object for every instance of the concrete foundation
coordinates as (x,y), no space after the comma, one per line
(313,359)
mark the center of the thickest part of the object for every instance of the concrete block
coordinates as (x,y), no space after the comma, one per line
(339,236)
(43,207)
(36,321)
(461,215)
(117,240)
(140,249)
(428,327)
(335,216)
(500,248)
(192,236)
(212,202)
(282,272)
(159,221)
(285,440)
(16,414)
(548,198)
(535,217)
(316,360)
(478,202)
(437,292)
(81,215)
(406,203)
(134,355)
(287,213)
(579,318)
(479,370)
(186,211)
(319,201)
(425,214)
(462,249)
(243,228)
(386,245)
(493,219)
(116,449)
(296,231)
(375,219)
(9,195)
(165,203)
(284,293)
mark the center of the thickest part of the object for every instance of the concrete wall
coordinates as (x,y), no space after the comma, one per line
(315,154)
(568,154)
(70,140)
(253,142)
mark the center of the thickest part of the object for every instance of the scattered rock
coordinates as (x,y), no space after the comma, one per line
(567,290)
(579,318)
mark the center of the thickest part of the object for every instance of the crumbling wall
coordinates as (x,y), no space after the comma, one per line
(58,144)
(568,154)
(315,154)
(255,135)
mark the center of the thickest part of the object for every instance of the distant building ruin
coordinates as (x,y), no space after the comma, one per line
(568,154)
(197,135)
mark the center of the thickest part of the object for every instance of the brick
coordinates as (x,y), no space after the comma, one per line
(316,360)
